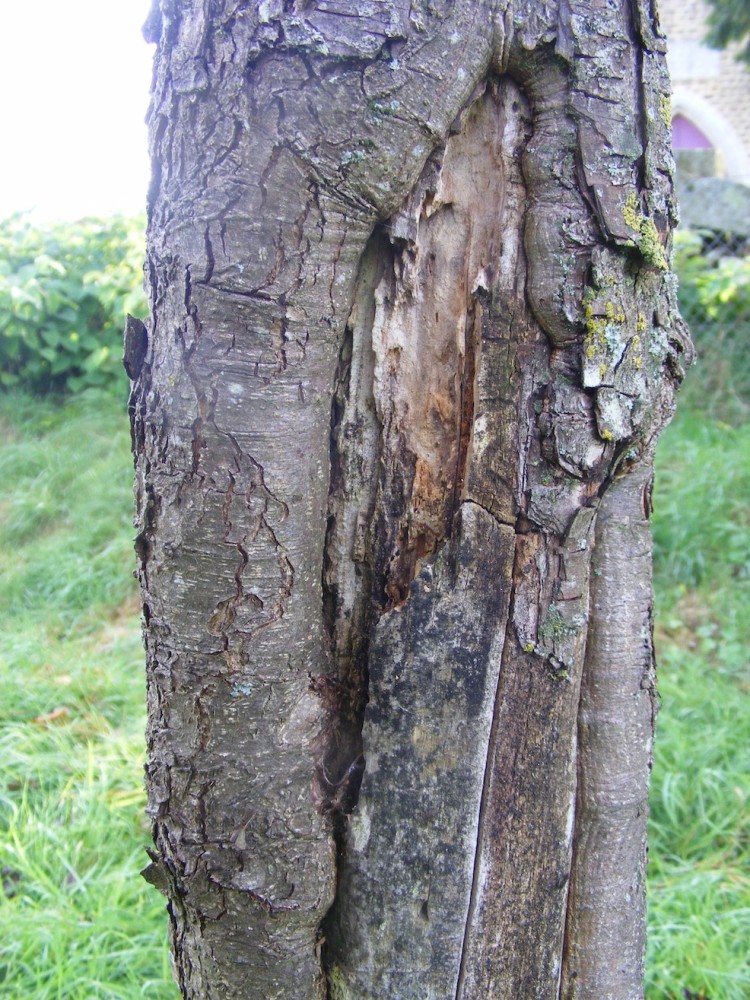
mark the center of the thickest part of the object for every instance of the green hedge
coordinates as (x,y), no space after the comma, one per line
(715,303)
(64,293)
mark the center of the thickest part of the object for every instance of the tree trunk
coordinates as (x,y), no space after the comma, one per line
(412,338)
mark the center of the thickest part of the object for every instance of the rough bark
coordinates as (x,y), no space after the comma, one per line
(412,338)
(605,934)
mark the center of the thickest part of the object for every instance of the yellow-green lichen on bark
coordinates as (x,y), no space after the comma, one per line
(647,240)
(665,109)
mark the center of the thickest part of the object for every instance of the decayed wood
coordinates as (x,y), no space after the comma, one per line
(435,649)
(412,338)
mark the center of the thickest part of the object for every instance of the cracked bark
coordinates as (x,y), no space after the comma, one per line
(412,339)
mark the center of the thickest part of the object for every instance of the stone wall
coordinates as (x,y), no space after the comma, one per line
(711,88)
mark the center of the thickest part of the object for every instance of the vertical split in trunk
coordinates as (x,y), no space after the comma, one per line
(350,579)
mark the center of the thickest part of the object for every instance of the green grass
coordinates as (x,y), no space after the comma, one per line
(76,919)
(699,870)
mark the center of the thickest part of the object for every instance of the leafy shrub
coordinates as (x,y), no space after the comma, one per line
(715,302)
(64,293)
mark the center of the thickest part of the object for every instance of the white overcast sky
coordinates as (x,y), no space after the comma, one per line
(74,79)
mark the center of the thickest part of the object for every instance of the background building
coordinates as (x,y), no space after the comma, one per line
(710,123)
(711,100)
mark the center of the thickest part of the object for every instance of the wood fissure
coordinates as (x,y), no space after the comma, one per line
(351,574)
